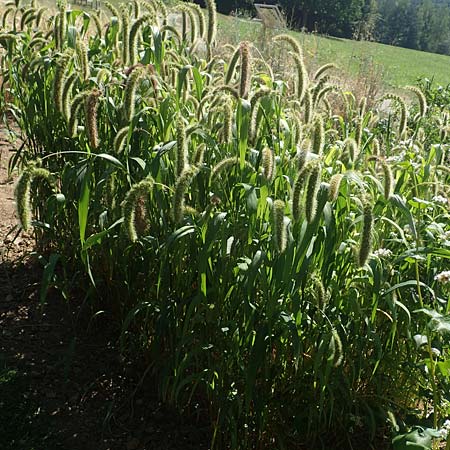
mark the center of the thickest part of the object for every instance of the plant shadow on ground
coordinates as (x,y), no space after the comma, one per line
(62,387)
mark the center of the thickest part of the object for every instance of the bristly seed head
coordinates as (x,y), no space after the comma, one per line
(279,229)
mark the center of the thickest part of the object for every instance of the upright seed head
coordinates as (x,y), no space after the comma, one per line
(318,136)
(309,107)
(212,24)
(320,292)
(91,107)
(245,81)
(22,194)
(278,227)
(335,184)
(268,163)
(302,77)
(388,179)
(62,27)
(297,129)
(298,189)
(136,8)
(182,148)
(312,189)
(227,122)
(351,149)
(125,18)
(82,54)
(362,107)
(58,82)
(376,147)
(366,236)
(339,349)
(232,65)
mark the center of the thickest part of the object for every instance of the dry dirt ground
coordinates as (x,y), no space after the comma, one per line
(62,384)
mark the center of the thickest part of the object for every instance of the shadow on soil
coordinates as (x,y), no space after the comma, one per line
(62,387)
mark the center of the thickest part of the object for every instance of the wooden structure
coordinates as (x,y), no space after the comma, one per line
(270,16)
(94,4)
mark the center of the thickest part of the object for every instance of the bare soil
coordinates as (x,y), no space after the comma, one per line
(63,384)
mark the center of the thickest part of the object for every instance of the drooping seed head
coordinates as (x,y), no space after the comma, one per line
(120,139)
(137,192)
(137,74)
(423,106)
(75,106)
(181,186)
(322,70)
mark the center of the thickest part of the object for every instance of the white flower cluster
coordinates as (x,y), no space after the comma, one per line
(440,199)
(445,429)
(443,277)
(382,253)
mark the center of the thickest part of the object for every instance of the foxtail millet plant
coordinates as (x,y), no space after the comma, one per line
(212,26)
(133,37)
(129,102)
(268,163)
(59,80)
(279,229)
(246,69)
(181,186)
(423,106)
(367,231)
(312,189)
(91,106)
(318,136)
(137,192)
(75,106)
(22,192)
(182,147)
(297,190)
(321,71)
(120,139)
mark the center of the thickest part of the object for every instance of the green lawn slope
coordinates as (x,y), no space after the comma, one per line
(394,66)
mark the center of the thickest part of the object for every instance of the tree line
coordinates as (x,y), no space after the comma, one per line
(417,24)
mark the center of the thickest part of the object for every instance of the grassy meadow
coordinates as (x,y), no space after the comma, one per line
(273,246)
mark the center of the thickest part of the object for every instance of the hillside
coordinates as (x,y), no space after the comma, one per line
(394,66)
